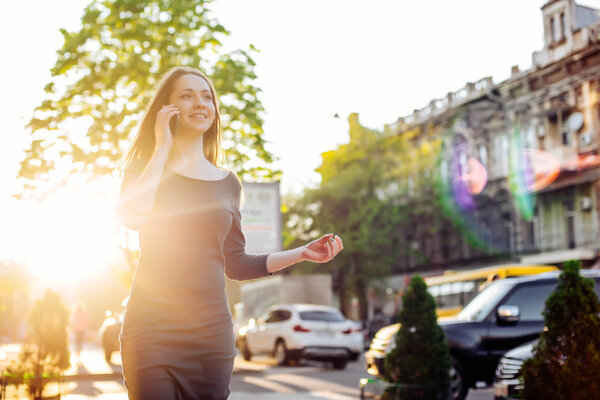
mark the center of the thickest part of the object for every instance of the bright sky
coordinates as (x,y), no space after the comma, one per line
(380,58)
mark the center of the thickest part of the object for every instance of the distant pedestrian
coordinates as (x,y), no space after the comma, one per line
(177,337)
(80,324)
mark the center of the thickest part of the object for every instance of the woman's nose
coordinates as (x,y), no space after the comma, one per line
(199,102)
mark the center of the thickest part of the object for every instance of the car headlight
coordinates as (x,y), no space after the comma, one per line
(391,346)
(509,368)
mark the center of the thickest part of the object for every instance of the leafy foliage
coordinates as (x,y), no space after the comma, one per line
(420,362)
(566,361)
(377,192)
(14,291)
(352,201)
(46,353)
(105,74)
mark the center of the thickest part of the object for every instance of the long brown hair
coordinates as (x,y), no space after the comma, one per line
(143,145)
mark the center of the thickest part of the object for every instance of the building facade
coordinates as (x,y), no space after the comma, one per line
(533,141)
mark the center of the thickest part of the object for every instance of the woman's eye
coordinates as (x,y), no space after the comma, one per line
(186,96)
(207,97)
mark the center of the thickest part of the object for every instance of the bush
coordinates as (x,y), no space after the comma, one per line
(420,363)
(566,360)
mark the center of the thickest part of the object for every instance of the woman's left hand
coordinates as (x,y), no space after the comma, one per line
(323,249)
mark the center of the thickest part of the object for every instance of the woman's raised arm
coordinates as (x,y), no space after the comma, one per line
(137,198)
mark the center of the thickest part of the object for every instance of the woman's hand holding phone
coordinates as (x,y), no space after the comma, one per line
(166,125)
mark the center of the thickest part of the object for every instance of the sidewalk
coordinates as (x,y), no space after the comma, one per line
(91,378)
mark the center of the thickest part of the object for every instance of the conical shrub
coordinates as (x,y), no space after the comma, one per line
(420,363)
(566,360)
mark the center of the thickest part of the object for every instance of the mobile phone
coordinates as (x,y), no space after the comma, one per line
(174,124)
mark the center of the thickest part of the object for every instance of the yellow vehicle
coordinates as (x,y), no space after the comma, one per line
(454,289)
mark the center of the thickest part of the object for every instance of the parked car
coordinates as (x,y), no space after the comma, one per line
(383,342)
(507,384)
(507,314)
(109,331)
(291,332)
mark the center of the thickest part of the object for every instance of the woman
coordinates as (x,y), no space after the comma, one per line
(177,337)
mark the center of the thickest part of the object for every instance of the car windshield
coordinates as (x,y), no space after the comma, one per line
(321,316)
(483,303)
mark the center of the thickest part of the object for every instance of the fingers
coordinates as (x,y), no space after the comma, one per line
(168,111)
(324,239)
(329,245)
(163,133)
(335,244)
(339,242)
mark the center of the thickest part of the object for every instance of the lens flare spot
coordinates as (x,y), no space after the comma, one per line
(476,176)
(582,162)
(545,169)
(460,184)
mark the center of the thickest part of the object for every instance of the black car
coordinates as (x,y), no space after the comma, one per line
(507,314)
(108,334)
(507,384)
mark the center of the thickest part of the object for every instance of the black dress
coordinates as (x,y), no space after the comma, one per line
(177,338)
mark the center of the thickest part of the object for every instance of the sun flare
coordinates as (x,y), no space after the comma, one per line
(71,236)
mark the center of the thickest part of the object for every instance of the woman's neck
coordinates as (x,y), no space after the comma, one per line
(188,153)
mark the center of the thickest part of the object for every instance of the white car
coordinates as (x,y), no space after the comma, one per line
(302,331)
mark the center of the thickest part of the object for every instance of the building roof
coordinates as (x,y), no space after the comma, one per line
(586,16)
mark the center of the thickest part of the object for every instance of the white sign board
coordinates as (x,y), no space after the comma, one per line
(261,217)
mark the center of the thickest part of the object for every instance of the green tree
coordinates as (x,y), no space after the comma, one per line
(46,352)
(566,360)
(355,200)
(104,76)
(14,293)
(420,361)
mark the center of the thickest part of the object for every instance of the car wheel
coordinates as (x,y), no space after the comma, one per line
(458,386)
(281,354)
(340,364)
(246,354)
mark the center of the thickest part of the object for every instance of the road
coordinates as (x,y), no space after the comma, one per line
(260,379)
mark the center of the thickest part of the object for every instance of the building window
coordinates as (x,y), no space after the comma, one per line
(466,249)
(508,233)
(531,136)
(502,148)
(569,203)
(553,31)
(531,233)
(445,245)
(571,231)
(507,238)
(563,26)
(483,155)
(532,228)
(566,137)
(486,234)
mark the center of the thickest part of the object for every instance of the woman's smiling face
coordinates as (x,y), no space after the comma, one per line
(193,97)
